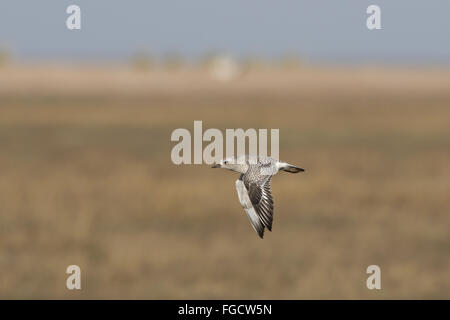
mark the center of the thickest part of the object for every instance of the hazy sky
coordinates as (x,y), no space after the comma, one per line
(331,30)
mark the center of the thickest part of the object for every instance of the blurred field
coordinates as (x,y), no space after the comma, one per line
(86,179)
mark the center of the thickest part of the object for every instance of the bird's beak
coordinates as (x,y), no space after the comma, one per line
(216,166)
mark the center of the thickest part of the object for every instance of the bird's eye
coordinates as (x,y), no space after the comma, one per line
(225,162)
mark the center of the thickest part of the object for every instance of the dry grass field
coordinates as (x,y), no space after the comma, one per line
(86,179)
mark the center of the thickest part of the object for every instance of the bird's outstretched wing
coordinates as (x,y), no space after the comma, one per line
(261,198)
(246,203)
(256,199)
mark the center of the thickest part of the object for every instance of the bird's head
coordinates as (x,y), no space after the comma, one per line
(232,164)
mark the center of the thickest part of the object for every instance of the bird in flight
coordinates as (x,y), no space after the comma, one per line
(253,186)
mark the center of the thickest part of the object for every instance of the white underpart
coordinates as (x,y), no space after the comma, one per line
(244,199)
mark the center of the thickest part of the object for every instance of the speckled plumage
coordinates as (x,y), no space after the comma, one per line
(253,187)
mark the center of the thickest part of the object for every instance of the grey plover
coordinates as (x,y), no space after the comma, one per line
(253,186)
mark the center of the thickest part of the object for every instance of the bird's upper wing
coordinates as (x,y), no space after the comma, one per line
(261,198)
(246,203)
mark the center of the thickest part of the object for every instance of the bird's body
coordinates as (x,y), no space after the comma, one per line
(253,186)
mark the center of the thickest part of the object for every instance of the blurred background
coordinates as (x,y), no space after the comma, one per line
(86,176)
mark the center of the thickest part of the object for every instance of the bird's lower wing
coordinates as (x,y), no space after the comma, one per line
(248,207)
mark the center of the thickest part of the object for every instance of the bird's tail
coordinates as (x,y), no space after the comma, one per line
(290,168)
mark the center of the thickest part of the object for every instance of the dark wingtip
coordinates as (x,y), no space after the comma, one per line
(295,169)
